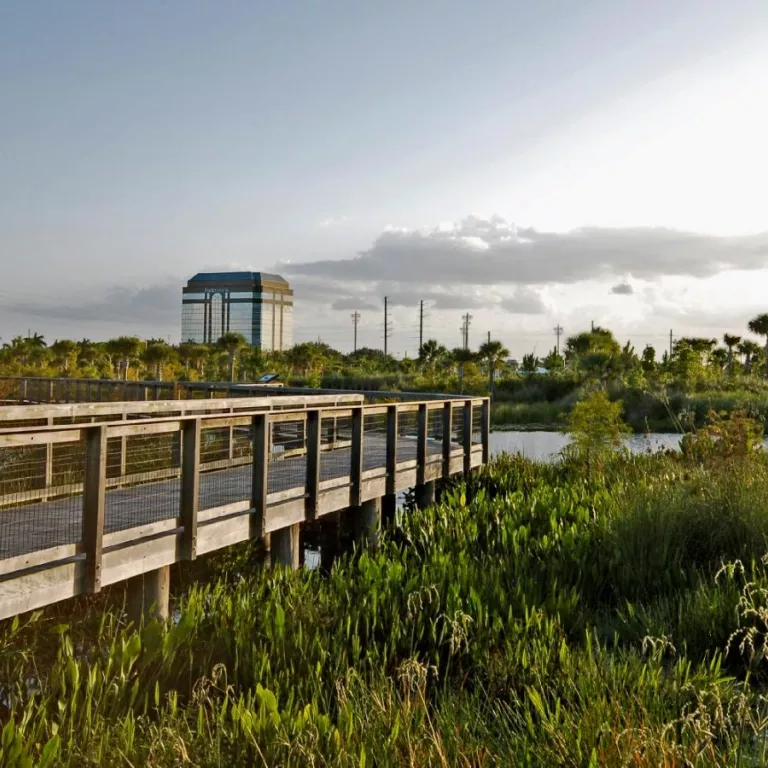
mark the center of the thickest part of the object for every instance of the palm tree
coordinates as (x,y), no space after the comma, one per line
(730,341)
(124,349)
(232,343)
(432,352)
(749,349)
(156,355)
(759,325)
(719,358)
(493,353)
(63,351)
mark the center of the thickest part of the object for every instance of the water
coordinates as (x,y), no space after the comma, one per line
(544,446)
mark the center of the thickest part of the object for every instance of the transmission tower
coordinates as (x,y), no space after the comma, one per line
(387,325)
(467,319)
(355,321)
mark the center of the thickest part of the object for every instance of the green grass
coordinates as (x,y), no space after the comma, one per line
(538,616)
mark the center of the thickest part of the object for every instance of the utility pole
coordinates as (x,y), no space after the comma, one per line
(489,337)
(421,325)
(465,330)
(670,343)
(558,333)
(355,320)
(593,326)
(386,324)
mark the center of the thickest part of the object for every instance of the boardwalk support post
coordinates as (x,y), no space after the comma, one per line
(190,486)
(148,596)
(284,548)
(368,522)
(93,504)
(425,490)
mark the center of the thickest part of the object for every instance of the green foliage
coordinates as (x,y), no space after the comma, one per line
(596,427)
(535,616)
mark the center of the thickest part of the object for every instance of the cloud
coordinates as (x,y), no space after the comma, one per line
(491,251)
(623,289)
(524,302)
(115,304)
(333,222)
(352,303)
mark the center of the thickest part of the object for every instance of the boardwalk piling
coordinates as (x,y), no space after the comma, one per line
(368,522)
(285,547)
(425,495)
(148,596)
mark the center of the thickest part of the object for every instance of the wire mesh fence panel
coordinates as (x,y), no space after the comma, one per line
(44,508)
(374,441)
(477,425)
(229,477)
(434,434)
(149,487)
(335,447)
(457,426)
(407,435)
(287,456)
(22,474)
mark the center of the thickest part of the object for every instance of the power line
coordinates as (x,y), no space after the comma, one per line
(355,320)
(558,333)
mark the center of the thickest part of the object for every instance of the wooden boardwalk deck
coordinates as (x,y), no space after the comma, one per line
(57,541)
(41,525)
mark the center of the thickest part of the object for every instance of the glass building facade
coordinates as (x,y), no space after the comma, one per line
(255,304)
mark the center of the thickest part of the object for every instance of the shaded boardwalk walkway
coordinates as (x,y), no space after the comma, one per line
(49,524)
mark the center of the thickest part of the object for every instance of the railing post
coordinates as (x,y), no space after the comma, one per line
(391,463)
(313,463)
(447,427)
(94,495)
(260,465)
(467,436)
(421,444)
(486,430)
(356,468)
(190,486)
(231,439)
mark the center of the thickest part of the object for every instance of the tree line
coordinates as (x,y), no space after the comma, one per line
(589,354)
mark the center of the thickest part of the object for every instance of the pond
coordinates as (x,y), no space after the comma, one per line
(543,446)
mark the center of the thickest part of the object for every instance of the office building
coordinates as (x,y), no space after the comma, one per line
(255,304)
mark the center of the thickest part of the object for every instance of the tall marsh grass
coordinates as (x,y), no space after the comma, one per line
(535,616)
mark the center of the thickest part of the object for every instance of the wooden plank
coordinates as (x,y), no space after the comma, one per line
(259,478)
(213,513)
(486,430)
(333,500)
(356,467)
(405,478)
(118,538)
(20,439)
(391,459)
(467,436)
(94,496)
(140,557)
(40,557)
(421,445)
(190,487)
(313,462)
(40,588)
(145,427)
(447,428)
(373,489)
(285,514)
(433,471)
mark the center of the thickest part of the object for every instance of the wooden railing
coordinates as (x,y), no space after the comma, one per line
(305,462)
(45,389)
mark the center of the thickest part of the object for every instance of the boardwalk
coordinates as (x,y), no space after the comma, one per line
(39,526)
(90,503)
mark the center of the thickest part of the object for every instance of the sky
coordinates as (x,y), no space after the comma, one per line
(534,164)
